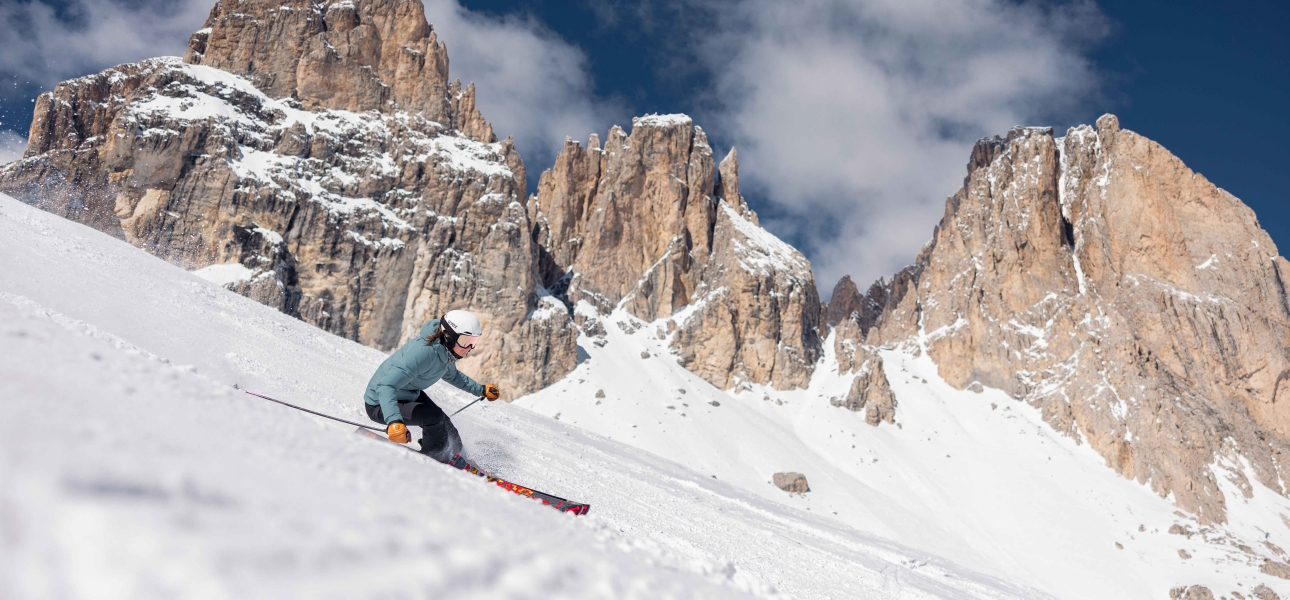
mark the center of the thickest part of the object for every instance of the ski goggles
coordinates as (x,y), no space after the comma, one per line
(467,342)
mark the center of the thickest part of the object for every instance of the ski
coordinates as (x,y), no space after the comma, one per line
(458,462)
(555,502)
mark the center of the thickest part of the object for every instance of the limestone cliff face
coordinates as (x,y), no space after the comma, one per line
(1096,277)
(373,55)
(652,225)
(321,146)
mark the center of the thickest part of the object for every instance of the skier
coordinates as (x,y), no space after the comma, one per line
(396,398)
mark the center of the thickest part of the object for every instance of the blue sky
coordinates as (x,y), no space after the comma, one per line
(1210,81)
(898,89)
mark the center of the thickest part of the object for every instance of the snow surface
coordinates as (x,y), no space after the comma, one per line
(979,479)
(225,274)
(132,468)
(655,120)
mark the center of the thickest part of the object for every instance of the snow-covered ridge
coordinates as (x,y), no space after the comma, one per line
(656,120)
(760,251)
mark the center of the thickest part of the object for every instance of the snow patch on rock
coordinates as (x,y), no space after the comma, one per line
(226,274)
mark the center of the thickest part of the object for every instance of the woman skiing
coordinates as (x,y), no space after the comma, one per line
(396,398)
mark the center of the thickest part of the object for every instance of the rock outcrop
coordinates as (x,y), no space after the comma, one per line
(851,316)
(870,391)
(1275,568)
(321,146)
(1194,592)
(651,225)
(1263,592)
(1098,278)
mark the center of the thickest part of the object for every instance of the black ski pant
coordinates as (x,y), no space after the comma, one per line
(439,437)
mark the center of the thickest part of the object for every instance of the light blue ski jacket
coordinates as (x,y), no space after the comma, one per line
(412,368)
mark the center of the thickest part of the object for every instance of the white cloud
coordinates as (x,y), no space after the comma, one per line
(529,83)
(45,46)
(855,118)
(12,146)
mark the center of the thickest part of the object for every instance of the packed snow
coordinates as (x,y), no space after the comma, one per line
(133,468)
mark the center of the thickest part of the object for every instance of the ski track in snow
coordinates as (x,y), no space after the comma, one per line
(133,469)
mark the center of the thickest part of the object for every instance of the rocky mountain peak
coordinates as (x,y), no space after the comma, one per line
(354,55)
(644,200)
(727,186)
(845,303)
(646,225)
(1098,278)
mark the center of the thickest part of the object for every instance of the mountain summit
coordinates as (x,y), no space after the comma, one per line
(642,225)
(1099,279)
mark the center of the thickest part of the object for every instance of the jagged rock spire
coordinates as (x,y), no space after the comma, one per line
(644,224)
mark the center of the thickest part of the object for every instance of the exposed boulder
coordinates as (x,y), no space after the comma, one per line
(793,483)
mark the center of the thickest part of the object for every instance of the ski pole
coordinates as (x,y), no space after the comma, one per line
(312,412)
(465,407)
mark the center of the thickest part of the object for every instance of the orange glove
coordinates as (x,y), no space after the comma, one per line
(398,433)
(491,392)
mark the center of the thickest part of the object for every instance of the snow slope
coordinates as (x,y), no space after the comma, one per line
(132,468)
(979,479)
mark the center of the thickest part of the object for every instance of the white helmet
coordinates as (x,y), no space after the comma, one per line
(462,322)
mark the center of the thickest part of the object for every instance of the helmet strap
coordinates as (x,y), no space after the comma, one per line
(448,338)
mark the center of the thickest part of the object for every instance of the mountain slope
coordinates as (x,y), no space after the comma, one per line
(976,477)
(134,469)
